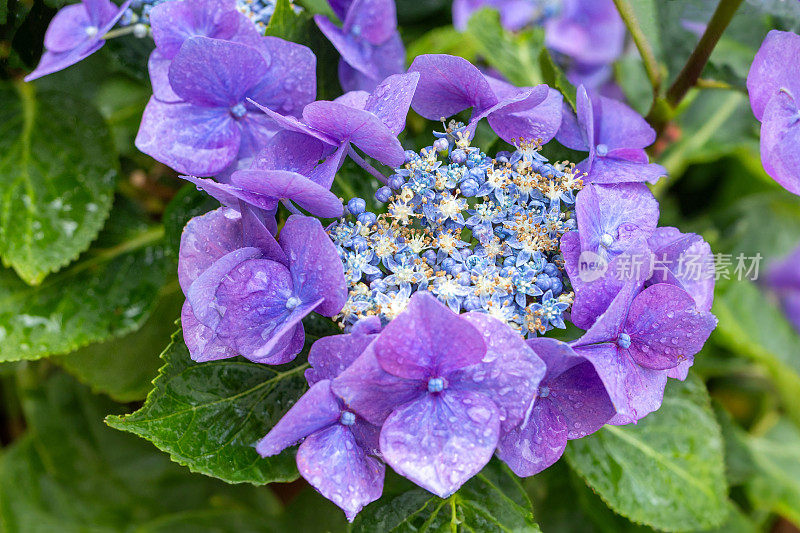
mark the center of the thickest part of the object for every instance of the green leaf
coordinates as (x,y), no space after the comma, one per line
(752,325)
(667,471)
(777,456)
(107,293)
(443,40)
(492,501)
(124,368)
(739,463)
(57,173)
(554,76)
(515,55)
(70,473)
(288,24)
(208,416)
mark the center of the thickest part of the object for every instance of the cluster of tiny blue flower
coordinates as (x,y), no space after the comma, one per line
(138,13)
(481,234)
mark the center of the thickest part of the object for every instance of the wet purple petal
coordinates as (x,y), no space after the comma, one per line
(427,340)
(282,184)
(769,73)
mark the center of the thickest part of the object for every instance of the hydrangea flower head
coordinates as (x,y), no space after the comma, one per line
(480,234)
(215,122)
(639,339)
(615,137)
(76,32)
(443,387)
(571,403)
(775,98)
(368,42)
(251,300)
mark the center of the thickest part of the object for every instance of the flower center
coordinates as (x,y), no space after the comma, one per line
(602,150)
(239,110)
(435,385)
(292,302)
(347,418)
(91,31)
(606,240)
(624,341)
(544,392)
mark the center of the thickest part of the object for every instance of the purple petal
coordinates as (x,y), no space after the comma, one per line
(357,99)
(427,340)
(291,151)
(330,356)
(325,172)
(611,218)
(449,85)
(104,14)
(609,325)
(291,80)
(158,67)
(588,31)
(385,60)
(594,287)
(665,327)
(577,130)
(231,195)
(373,20)
(684,260)
(256,233)
(540,121)
(204,344)
(292,186)
(214,73)
(174,22)
(204,240)
(256,313)
(340,7)
(54,61)
(257,130)
(509,373)
(634,390)
(441,440)
(769,73)
(618,126)
(785,274)
(613,170)
(372,392)
(192,140)
(780,137)
(202,293)
(350,48)
(538,443)
(315,265)
(292,124)
(333,463)
(574,387)
(681,371)
(357,126)
(69,28)
(317,409)
(391,99)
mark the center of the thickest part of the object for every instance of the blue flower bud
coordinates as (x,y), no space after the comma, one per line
(367,219)
(550,269)
(383,194)
(396,181)
(458,156)
(441,145)
(356,206)
(543,282)
(469,188)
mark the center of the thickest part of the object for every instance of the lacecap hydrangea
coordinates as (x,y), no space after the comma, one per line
(448,292)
